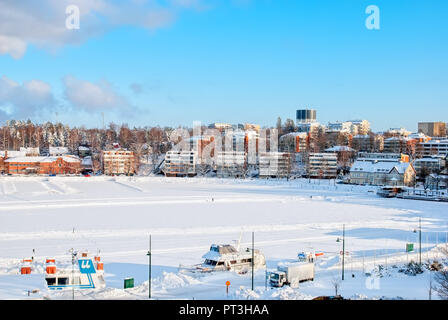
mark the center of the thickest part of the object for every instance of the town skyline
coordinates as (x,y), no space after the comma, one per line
(235,62)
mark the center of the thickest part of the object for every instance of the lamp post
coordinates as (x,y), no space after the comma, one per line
(149,272)
(343,250)
(253,261)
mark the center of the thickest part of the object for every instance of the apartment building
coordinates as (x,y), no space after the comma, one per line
(323,165)
(231,164)
(434,147)
(119,161)
(180,163)
(433,129)
(276,164)
(428,165)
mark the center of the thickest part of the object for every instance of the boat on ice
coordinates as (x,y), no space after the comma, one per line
(225,257)
(389,191)
(83,274)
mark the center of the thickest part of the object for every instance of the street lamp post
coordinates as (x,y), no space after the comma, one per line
(149,272)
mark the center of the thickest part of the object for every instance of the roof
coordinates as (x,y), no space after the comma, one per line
(379,166)
(58,150)
(340,149)
(67,158)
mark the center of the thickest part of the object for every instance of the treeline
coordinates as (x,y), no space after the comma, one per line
(145,142)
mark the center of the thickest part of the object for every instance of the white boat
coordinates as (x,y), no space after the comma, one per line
(83,274)
(225,257)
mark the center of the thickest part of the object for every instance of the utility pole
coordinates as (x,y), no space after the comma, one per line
(343,250)
(253,261)
(420,240)
(149,272)
(73,271)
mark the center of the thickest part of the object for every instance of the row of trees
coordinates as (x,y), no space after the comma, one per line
(147,142)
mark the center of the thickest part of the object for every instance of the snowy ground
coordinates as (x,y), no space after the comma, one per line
(185,216)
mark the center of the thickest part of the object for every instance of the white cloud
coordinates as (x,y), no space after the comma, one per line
(42,22)
(93,97)
(24,100)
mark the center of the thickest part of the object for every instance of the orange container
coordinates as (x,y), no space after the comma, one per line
(51,269)
(27,260)
(99,266)
(25,270)
(51,260)
(84,254)
(97,258)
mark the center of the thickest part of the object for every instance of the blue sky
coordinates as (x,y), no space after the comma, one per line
(242,61)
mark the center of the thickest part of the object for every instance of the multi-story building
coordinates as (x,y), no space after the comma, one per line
(119,161)
(396,145)
(428,165)
(380,173)
(58,151)
(368,143)
(345,156)
(231,164)
(322,165)
(276,164)
(180,163)
(294,142)
(433,129)
(42,165)
(354,127)
(434,147)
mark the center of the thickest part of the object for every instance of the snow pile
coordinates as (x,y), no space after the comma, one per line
(170,280)
(285,293)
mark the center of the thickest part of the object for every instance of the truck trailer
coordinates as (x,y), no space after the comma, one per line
(291,274)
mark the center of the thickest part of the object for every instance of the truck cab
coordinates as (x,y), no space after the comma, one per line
(277,278)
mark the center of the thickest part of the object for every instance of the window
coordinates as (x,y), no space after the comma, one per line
(51,281)
(62,281)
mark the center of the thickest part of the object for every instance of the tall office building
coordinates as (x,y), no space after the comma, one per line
(432,129)
(305,116)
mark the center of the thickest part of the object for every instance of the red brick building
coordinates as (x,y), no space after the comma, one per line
(40,165)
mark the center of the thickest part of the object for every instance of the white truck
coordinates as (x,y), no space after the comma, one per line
(291,274)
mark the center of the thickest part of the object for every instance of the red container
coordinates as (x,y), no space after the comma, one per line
(25,270)
(51,260)
(99,266)
(51,269)
(97,258)
(84,254)
(27,260)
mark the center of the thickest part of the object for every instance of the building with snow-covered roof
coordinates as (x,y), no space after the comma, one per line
(231,164)
(180,163)
(30,152)
(434,147)
(323,165)
(276,164)
(43,165)
(428,165)
(380,173)
(119,161)
(58,151)
(294,142)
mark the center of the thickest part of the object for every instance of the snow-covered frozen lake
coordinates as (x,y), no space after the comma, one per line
(186,215)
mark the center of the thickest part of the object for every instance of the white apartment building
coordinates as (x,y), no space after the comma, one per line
(434,147)
(323,165)
(119,161)
(276,164)
(180,163)
(231,164)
